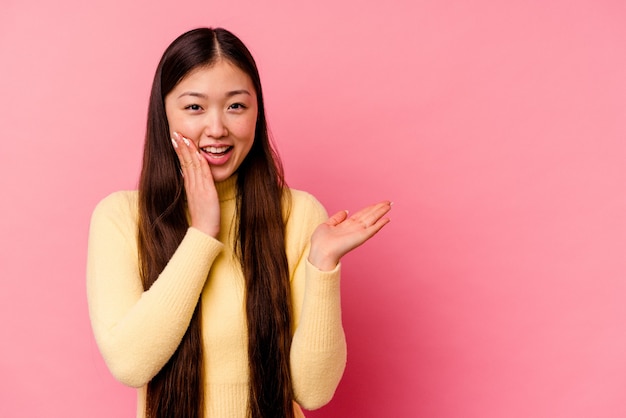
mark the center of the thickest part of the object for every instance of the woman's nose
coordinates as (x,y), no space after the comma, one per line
(214,125)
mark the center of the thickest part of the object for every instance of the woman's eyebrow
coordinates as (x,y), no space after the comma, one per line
(236,92)
(204,96)
(193,94)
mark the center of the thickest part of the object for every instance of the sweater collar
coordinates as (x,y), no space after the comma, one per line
(227,189)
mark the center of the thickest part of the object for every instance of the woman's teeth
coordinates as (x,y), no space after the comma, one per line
(215,150)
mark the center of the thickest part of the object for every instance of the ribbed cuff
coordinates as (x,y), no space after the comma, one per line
(322,307)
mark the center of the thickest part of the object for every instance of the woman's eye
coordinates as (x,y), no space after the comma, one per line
(193,107)
(237,106)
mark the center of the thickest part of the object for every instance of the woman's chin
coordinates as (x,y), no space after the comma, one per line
(221,174)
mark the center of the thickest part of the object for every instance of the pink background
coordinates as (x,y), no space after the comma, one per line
(498,128)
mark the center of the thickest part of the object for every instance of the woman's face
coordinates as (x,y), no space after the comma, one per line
(216,108)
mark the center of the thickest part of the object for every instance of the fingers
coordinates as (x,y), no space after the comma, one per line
(372,216)
(337,218)
(341,234)
(378,226)
(185,152)
(372,219)
(194,168)
(205,170)
(202,200)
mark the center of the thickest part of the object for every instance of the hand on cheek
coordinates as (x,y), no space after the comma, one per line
(202,199)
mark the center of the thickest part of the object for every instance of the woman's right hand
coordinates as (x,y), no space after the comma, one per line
(202,200)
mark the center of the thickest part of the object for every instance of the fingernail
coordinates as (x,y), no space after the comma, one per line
(198,155)
(186,141)
(390,203)
(174,143)
(176,135)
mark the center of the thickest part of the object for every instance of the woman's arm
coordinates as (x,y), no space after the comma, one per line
(318,352)
(137,331)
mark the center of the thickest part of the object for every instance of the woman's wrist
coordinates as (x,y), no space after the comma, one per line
(323,262)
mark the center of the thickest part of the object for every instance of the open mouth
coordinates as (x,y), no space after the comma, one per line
(216,151)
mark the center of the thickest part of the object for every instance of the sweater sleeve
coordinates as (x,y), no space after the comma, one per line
(318,350)
(137,331)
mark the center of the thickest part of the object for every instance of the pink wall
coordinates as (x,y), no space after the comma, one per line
(498,128)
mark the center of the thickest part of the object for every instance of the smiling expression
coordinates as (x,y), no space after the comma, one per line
(216,108)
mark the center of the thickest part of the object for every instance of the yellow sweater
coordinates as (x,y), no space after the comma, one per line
(137,331)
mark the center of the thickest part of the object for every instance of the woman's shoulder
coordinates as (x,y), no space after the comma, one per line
(303,205)
(123,203)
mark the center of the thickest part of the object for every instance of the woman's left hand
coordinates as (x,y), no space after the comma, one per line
(341,233)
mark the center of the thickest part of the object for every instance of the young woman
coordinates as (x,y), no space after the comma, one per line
(214,288)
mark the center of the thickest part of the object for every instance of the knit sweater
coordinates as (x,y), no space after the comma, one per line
(137,331)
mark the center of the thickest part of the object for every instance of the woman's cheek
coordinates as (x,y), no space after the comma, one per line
(190,127)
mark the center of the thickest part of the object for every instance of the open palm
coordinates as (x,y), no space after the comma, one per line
(342,233)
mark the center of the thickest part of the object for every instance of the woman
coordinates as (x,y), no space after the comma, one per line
(214,288)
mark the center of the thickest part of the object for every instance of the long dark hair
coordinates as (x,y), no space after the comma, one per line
(177,390)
